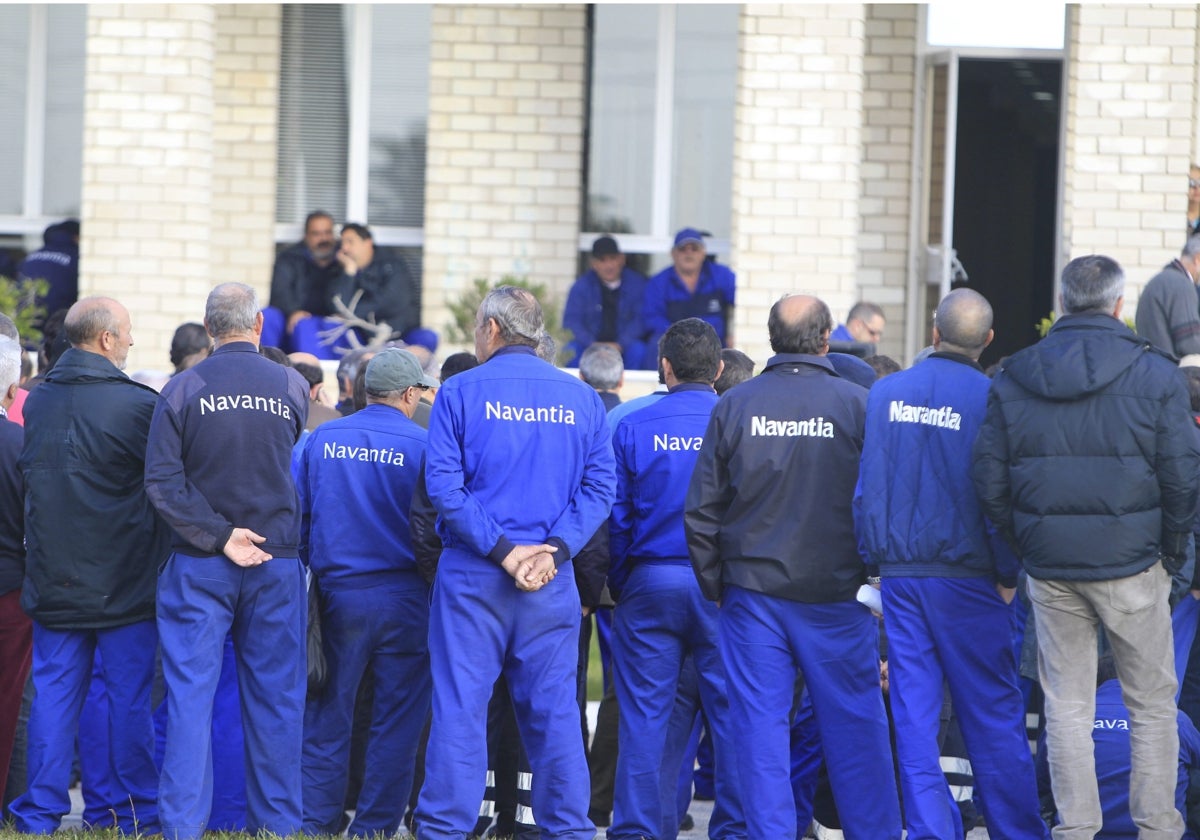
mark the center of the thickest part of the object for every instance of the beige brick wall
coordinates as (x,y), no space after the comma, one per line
(797,154)
(889,82)
(245,125)
(504,162)
(148,166)
(1131,89)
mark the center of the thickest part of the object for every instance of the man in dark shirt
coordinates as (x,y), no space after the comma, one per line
(300,290)
(218,470)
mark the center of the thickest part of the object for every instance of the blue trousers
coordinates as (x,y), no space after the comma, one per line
(764,640)
(383,628)
(481,625)
(200,600)
(662,617)
(62,671)
(958,631)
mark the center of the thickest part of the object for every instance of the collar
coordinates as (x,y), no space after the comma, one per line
(956,357)
(691,386)
(237,347)
(513,349)
(793,359)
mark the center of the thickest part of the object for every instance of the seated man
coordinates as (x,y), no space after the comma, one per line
(605,304)
(692,287)
(389,293)
(300,290)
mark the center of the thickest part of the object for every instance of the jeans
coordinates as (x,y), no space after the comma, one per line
(1137,622)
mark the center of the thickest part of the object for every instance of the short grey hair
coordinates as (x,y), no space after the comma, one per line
(88,318)
(1191,246)
(10,363)
(1092,284)
(516,312)
(232,308)
(601,366)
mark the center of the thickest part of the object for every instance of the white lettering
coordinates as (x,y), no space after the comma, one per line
(1111,723)
(674,443)
(222,402)
(943,418)
(341,452)
(528,414)
(760,426)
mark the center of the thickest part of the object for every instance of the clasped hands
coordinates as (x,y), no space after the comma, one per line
(531,566)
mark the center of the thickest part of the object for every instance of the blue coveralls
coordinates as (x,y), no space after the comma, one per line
(356,478)
(918,519)
(519,452)
(661,617)
(218,458)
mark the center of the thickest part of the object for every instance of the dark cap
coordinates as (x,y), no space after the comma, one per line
(605,246)
(394,370)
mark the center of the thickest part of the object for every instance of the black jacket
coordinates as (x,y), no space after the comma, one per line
(94,541)
(12,508)
(389,292)
(769,505)
(298,283)
(1087,461)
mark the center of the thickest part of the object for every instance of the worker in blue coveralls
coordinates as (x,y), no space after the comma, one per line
(94,544)
(605,304)
(356,479)
(661,615)
(693,286)
(948,580)
(520,470)
(771,534)
(217,469)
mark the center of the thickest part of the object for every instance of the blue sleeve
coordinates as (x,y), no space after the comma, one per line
(729,284)
(177,500)
(1189,741)
(445,480)
(591,502)
(620,523)
(632,328)
(574,315)
(300,478)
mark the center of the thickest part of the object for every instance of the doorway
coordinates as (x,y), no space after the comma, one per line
(991,184)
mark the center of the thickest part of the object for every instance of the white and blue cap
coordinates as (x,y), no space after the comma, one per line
(394,370)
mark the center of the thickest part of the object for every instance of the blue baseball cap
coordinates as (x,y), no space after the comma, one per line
(688,235)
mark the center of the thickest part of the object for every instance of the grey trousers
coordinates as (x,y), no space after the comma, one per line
(1137,623)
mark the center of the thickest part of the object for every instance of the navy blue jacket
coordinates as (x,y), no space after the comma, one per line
(298,283)
(584,315)
(220,452)
(769,505)
(668,300)
(1087,461)
(356,478)
(389,292)
(94,541)
(57,262)
(915,509)
(656,450)
(519,453)
(12,507)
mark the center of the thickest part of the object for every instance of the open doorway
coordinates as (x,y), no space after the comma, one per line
(990,188)
(1006,190)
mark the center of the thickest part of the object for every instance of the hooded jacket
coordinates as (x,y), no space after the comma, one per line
(94,541)
(1087,461)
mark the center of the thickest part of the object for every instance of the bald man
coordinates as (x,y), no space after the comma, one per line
(94,546)
(947,579)
(771,536)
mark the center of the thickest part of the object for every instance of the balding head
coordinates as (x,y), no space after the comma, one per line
(100,325)
(800,324)
(963,323)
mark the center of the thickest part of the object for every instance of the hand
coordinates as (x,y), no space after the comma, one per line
(1173,563)
(536,572)
(242,548)
(518,560)
(295,318)
(1006,594)
(348,264)
(1196,594)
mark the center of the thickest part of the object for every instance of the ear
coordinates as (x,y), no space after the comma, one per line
(720,369)
(258,323)
(936,337)
(991,334)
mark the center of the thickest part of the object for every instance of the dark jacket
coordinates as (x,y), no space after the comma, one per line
(1086,460)
(298,283)
(57,262)
(915,507)
(769,505)
(94,541)
(12,507)
(389,292)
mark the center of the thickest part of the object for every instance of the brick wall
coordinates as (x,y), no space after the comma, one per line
(886,169)
(797,153)
(504,162)
(1131,89)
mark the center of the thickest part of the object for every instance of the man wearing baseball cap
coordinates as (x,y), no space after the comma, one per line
(693,287)
(605,304)
(355,480)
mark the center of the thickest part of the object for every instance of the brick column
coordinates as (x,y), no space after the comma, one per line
(504,163)
(1130,86)
(797,151)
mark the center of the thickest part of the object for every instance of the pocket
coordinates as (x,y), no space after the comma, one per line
(1139,592)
